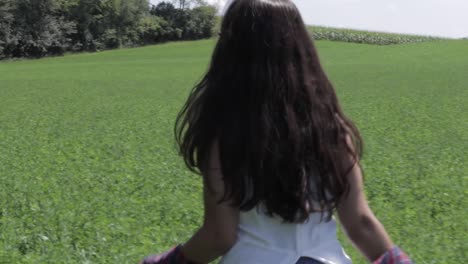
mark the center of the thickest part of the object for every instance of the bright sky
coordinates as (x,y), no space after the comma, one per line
(446,18)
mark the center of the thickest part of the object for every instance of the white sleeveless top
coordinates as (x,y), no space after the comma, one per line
(267,240)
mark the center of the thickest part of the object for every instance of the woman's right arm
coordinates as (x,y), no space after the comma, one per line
(359,222)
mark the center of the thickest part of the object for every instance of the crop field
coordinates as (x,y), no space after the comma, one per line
(89,171)
(367,37)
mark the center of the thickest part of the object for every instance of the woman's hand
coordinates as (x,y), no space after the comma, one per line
(173,256)
(393,256)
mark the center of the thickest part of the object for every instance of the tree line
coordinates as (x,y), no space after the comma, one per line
(38,28)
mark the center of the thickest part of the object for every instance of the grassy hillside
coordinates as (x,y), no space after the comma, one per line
(89,173)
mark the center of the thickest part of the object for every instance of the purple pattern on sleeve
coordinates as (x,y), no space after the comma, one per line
(394,256)
(173,256)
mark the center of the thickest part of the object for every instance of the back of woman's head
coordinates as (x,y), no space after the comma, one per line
(268,104)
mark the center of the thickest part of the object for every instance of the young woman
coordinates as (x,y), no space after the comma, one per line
(278,155)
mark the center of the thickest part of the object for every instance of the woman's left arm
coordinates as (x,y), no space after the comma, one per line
(219,230)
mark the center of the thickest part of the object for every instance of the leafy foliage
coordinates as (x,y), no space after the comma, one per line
(6,19)
(36,28)
(183,4)
(188,24)
(32,28)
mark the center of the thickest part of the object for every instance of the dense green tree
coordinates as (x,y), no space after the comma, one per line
(125,17)
(39,29)
(202,21)
(90,24)
(165,10)
(36,28)
(107,23)
(183,4)
(6,21)
(172,15)
(154,29)
(190,23)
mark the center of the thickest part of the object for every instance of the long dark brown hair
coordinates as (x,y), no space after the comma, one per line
(267,102)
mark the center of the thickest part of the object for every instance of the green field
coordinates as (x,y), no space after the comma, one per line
(89,171)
